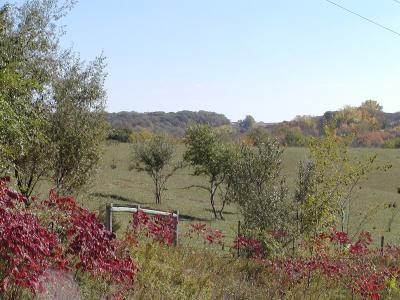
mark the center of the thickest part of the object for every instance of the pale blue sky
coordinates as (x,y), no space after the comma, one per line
(271,59)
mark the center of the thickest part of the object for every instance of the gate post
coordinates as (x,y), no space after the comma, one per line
(176,228)
(109,217)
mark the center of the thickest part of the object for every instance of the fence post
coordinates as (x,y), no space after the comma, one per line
(176,228)
(109,217)
(238,234)
(382,244)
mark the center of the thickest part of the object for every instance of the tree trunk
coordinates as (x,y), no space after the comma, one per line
(158,192)
(212,194)
(222,209)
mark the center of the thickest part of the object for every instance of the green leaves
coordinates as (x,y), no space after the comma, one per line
(209,156)
(255,183)
(326,182)
(154,156)
(51,115)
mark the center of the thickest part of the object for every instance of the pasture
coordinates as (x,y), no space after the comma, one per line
(372,205)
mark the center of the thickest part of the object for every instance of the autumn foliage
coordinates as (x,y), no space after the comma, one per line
(72,239)
(156,227)
(27,249)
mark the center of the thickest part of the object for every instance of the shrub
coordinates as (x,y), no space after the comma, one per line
(206,233)
(122,135)
(392,143)
(256,184)
(27,249)
(87,239)
(159,228)
(56,235)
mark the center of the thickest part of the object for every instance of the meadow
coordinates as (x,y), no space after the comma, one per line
(375,205)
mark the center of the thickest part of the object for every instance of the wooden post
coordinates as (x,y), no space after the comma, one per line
(176,228)
(382,244)
(109,217)
(238,234)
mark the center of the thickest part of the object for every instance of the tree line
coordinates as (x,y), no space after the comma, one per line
(367,125)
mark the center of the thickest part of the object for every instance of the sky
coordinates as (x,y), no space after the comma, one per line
(270,59)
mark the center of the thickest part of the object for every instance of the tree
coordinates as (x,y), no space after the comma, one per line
(154,156)
(326,183)
(246,124)
(78,126)
(258,135)
(52,118)
(28,52)
(294,137)
(210,157)
(257,186)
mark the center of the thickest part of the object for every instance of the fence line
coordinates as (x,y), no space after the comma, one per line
(110,208)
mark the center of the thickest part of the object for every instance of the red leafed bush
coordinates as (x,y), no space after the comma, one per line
(250,246)
(350,265)
(157,227)
(27,249)
(97,249)
(77,240)
(209,235)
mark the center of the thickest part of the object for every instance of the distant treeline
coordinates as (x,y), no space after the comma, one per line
(365,126)
(174,123)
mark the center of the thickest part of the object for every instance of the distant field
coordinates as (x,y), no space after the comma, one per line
(119,185)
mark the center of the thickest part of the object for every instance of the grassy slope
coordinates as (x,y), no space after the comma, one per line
(121,186)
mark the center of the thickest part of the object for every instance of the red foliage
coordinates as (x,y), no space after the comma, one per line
(252,247)
(98,250)
(27,249)
(209,235)
(352,265)
(159,228)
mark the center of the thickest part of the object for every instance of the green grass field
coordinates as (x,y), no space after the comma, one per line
(121,186)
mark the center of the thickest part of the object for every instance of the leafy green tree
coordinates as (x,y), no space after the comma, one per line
(295,137)
(78,126)
(155,157)
(326,183)
(210,157)
(258,135)
(255,183)
(27,55)
(246,124)
(52,105)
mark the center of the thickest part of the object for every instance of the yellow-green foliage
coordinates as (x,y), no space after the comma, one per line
(333,178)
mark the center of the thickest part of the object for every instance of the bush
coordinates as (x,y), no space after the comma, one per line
(27,249)
(56,235)
(122,135)
(392,143)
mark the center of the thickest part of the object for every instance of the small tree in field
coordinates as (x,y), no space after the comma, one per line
(256,184)
(210,157)
(326,183)
(155,156)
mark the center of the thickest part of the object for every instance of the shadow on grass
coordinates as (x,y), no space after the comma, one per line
(192,218)
(224,212)
(118,198)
